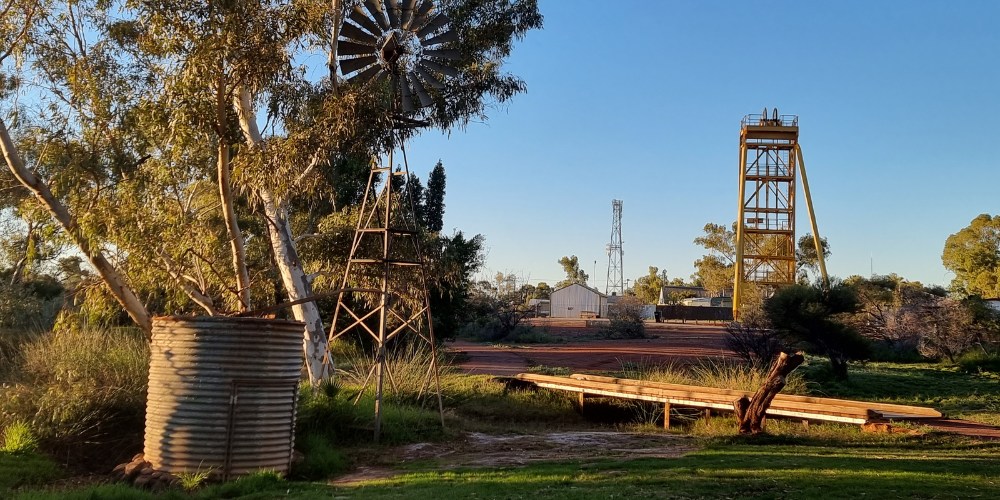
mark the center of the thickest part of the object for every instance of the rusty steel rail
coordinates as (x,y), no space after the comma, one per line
(709,398)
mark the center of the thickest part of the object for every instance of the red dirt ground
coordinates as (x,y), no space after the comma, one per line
(581,351)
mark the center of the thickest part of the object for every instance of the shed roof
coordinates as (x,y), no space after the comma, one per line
(581,285)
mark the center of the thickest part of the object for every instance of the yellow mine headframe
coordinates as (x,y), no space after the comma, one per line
(765,226)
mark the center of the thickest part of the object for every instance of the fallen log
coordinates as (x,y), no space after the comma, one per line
(750,412)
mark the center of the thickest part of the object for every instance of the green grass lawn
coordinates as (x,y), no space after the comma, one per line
(823,461)
(725,471)
(914,467)
(956,394)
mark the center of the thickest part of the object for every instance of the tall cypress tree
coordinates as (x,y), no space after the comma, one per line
(434,200)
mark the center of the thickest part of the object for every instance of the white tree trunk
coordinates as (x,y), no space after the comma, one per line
(112,278)
(236,245)
(293,276)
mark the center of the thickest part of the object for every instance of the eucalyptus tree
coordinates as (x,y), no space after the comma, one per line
(152,131)
(46,56)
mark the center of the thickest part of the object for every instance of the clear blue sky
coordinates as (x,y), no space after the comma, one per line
(898,104)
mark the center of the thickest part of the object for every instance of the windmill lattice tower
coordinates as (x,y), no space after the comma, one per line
(770,155)
(616,282)
(384,297)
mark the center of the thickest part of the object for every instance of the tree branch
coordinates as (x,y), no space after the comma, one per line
(196,295)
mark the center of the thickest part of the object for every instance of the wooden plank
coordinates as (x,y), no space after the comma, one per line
(898,411)
(704,401)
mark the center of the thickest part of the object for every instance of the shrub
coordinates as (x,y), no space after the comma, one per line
(810,316)
(626,319)
(979,362)
(320,459)
(18,438)
(80,386)
(753,339)
(31,305)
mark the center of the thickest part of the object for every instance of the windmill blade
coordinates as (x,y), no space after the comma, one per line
(429,77)
(366,75)
(422,15)
(348,48)
(440,68)
(393,12)
(444,53)
(375,9)
(348,66)
(434,25)
(409,10)
(357,34)
(407,96)
(447,36)
(361,19)
(425,98)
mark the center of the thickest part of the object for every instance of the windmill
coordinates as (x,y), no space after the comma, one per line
(401,41)
(404,44)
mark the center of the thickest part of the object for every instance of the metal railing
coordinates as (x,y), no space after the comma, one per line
(761,120)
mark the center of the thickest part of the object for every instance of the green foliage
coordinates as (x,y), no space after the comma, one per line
(979,362)
(497,309)
(18,470)
(18,438)
(806,257)
(453,261)
(29,304)
(571,266)
(487,404)
(648,287)
(193,480)
(434,200)
(719,374)
(321,459)
(325,413)
(973,254)
(81,386)
(626,319)
(807,316)
(261,484)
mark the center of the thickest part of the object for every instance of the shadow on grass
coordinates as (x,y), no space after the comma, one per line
(731,471)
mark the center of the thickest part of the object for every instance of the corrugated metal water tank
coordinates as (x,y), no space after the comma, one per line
(222,394)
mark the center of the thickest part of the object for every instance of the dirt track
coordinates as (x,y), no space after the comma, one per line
(579,348)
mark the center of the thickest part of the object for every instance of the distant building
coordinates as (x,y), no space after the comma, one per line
(680,291)
(578,301)
(539,307)
(688,292)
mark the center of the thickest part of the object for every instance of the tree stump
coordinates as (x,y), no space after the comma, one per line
(750,412)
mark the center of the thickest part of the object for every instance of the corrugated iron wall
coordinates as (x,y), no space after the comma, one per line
(222,394)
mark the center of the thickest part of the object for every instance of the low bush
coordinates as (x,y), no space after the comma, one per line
(978,361)
(755,343)
(321,459)
(18,438)
(79,386)
(626,319)
(720,374)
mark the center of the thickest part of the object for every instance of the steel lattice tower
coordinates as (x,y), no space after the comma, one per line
(616,283)
(384,295)
(765,227)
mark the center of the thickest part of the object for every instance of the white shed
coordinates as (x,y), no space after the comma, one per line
(578,301)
